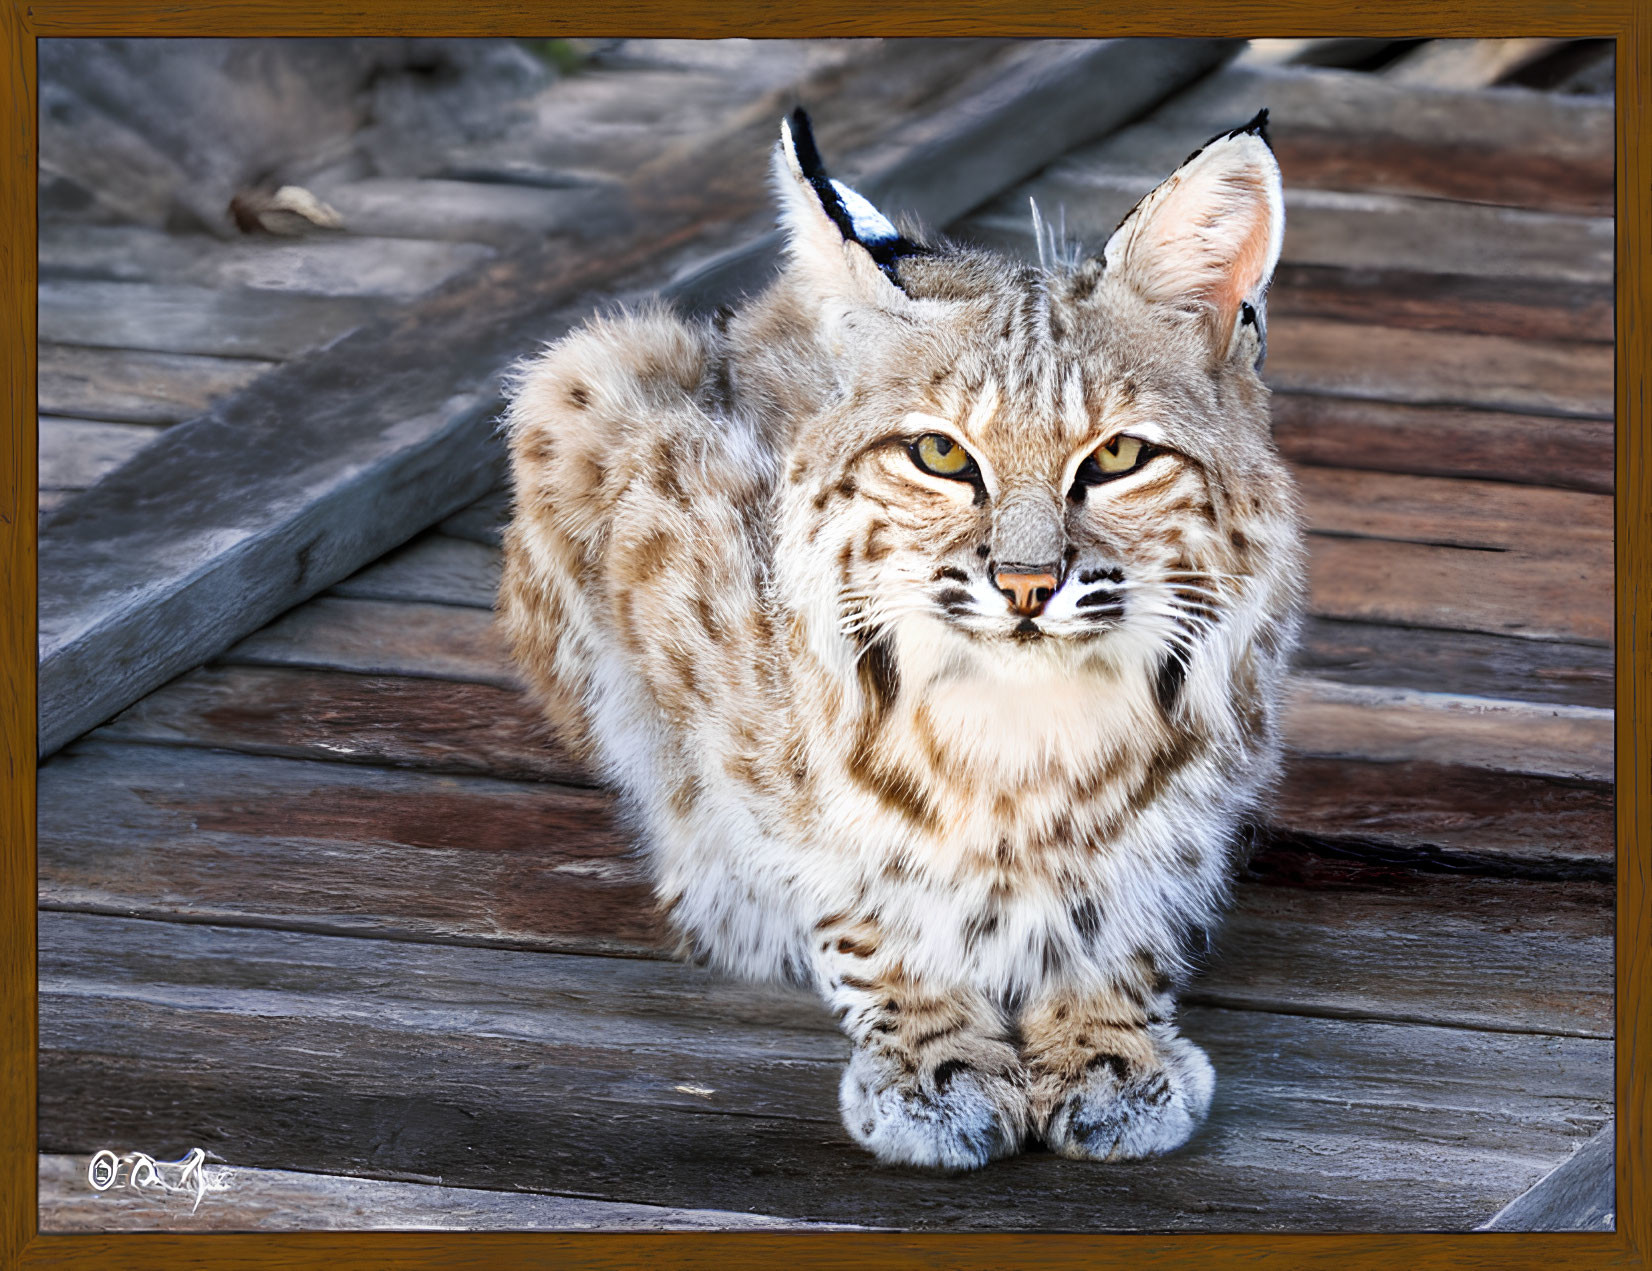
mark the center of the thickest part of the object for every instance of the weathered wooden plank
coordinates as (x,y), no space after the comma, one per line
(289,1200)
(178,318)
(1447,815)
(1553,597)
(433,568)
(1577,1195)
(1418,810)
(482,521)
(1499,954)
(491,1067)
(1358,722)
(1353,359)
(137,387)
(491,213)
(1467,63)
(1331,229)
(51,500)
(330,266)
(1351,131)
(377,637)
(326,464)
(1491,515)
(1462,662)
(604,122)
(1571,454)
(1532,309)
(395,721)
(341,848)
(75,453)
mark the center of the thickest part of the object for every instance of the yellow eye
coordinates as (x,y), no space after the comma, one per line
(1118,456)
(941,455)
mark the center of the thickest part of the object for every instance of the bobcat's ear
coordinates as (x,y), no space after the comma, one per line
(844,245)
(1208,238)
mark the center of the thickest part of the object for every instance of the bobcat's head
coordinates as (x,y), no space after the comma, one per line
(1002,465)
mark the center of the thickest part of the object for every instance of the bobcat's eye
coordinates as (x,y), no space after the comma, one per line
(942,456)
(1119,456)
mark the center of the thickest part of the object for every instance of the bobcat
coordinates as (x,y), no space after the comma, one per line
(929,614)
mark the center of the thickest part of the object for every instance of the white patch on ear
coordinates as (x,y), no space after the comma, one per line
(833,266)
(1209,237)
(871,225)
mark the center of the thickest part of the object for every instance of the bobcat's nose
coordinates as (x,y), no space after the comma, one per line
(1028,588)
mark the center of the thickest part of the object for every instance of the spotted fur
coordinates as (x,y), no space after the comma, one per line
(992,842)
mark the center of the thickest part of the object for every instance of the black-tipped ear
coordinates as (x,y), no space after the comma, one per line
(856,219)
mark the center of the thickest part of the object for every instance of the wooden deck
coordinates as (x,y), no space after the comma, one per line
(335,908)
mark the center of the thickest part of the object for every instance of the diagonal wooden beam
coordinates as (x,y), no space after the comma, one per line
(328,462)
(1576,1195)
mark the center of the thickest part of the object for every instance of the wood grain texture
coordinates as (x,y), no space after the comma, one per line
(433,567)
(377,637)
(1349,131)
(330,266)
(1520,307)
(579,1056)
(456,858)
(1444,441)
(1577,1195)
(482,521)
(1357,721)
(214,321)
(287,1200)
(1355,359)
(18,607)
(490,213)
(1349,938)
(1544,597)
(137,387)
(1421,813)
(1461,662)
(395,721)
(1489,515)
(75,453)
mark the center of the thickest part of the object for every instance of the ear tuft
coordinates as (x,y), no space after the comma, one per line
(853,215)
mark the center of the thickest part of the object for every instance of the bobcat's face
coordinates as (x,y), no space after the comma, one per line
(1048,470)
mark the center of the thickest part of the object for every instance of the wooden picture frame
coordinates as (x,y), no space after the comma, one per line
(1629,22)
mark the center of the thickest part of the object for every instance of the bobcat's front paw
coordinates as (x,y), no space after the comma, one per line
(1120,1109)
(957,1114)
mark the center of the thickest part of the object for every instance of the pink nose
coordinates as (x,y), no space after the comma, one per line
(1027,592)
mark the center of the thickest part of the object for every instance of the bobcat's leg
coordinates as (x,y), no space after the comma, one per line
(1109,1077)
(933,1079)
